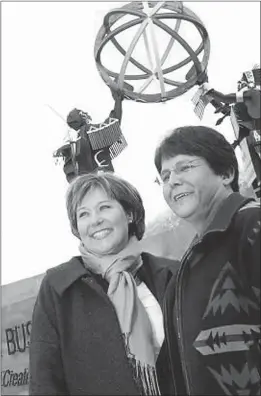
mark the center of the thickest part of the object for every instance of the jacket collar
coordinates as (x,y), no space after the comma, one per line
(226,212)
(64,275)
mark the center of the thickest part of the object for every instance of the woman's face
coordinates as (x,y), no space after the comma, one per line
(190,186)
(102,223)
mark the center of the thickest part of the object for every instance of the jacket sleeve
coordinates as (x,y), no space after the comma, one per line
(45,364)
(249,246)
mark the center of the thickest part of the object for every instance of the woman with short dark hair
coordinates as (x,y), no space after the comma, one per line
(97,324)
(213,304)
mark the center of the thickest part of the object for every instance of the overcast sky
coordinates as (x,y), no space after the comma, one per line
(47,59)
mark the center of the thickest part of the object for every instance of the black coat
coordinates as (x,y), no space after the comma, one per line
(212,307)
(76,343)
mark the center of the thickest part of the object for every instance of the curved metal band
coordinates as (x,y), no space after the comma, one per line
(105,35)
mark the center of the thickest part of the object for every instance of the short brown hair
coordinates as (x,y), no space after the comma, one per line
(116,188)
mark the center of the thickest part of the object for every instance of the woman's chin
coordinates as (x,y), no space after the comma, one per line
(107,249)
(185,212)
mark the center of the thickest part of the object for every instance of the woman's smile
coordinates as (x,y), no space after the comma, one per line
(181,196)
(101,234)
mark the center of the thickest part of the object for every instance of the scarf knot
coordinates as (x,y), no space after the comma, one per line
(129,264)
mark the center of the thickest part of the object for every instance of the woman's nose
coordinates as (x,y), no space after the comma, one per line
(174,179)
(96,219)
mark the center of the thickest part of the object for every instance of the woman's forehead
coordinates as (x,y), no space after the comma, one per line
(95,193)
(172,161)
(97,189)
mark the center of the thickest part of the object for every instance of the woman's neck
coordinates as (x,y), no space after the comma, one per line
(202,222)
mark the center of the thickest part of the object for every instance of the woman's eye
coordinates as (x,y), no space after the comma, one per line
(165,178)
(82,214)
(185,168)
(105,207)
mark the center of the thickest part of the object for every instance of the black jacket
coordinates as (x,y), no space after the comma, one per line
(76,343)
(212,307)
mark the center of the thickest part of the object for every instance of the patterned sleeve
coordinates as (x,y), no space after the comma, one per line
(249,244)
(249,249)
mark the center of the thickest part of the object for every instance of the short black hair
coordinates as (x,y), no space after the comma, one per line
(203,142)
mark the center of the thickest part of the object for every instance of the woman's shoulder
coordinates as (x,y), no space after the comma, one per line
(156,272)
(248,219)
(64,275)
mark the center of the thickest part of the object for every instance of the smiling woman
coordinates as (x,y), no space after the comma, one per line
(209,315)
(102,223)
(108,190)
(199,169)
(99,315)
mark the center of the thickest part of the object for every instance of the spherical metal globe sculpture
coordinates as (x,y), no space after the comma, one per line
(152,22)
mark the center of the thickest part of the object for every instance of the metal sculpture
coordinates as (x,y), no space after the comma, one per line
(150,18)
(244,110)
(91,147)
(95,145)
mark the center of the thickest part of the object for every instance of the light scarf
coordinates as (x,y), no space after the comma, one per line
(119,270)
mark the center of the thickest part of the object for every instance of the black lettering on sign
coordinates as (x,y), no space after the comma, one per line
(18,337)
(11,348)
(10,378)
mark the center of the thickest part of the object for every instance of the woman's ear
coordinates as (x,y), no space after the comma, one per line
(130,217)
(228,176)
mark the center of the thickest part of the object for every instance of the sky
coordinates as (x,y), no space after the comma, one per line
(47,60)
